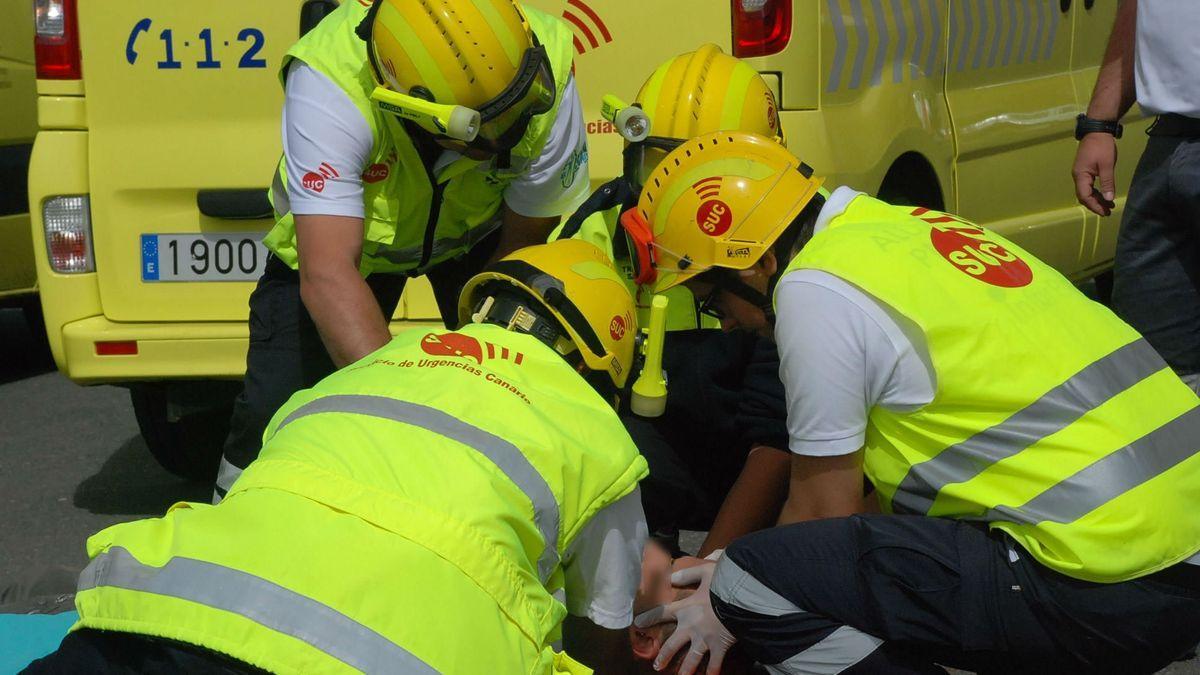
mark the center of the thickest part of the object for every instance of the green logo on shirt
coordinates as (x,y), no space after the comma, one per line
(571,168)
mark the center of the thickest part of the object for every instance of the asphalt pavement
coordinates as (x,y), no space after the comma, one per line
(72,463)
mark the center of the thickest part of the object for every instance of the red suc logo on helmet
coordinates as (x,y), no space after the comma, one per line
(617,327)
(772,113)
(376,173)
(969,248)
(714,216)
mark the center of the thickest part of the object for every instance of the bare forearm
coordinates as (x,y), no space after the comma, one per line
(824,487)
(346,314)
(754,501)
(1114,93)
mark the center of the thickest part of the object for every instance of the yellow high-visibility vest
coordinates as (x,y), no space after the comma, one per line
(410,510)
(1052,419)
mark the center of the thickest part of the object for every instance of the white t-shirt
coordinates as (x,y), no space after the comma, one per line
(326,136)
(1166,58)
(841,353)
(603,566)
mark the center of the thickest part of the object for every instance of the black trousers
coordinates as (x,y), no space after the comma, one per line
(111,653)
(1156,273)
(286,353)
(898,594)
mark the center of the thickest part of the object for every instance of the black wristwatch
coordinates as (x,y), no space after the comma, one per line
(1085,125)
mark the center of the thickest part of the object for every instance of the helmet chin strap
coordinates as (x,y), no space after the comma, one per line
(741,289)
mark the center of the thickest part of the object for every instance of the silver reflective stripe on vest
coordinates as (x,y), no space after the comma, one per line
(263,602)
(506,456)
(1053,412)
(412,254)
(1111,476)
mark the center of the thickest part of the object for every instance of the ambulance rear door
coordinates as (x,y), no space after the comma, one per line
(183,110)
(1011,98)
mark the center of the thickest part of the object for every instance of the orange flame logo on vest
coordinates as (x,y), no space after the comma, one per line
(465,346)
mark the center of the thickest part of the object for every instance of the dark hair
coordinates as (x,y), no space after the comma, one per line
(798,232)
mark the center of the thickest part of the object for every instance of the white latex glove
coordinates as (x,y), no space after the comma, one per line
(697,624)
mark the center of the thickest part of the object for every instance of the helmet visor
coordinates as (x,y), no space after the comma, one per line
(531,93)
(642,157)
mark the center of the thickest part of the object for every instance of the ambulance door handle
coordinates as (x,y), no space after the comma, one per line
(312,11)
(1065,5)
(1089,4)
(240,204)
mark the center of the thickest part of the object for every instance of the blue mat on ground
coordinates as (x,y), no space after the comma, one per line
(25,637)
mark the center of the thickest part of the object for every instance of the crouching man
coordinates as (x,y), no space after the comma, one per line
(1039,462)
(414,512)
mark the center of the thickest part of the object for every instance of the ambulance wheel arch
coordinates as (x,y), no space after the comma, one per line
(912,181)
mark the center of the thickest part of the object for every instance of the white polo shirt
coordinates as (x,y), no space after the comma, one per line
(1167,56)
(841,353)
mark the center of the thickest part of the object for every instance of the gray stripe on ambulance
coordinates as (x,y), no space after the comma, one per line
(839,54)
(901,42)
(977,59)
(1055,410)
(506,456)
(1041,25)
(864,42)
(263,602)
(1110,477)
(881,49)
(1012,33)
(1026,23)
(935,39)
(914,65)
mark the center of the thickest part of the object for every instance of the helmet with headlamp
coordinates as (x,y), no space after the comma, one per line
(698,93)
(471,72)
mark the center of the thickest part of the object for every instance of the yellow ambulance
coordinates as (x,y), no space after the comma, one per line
(18,125)
(160,132)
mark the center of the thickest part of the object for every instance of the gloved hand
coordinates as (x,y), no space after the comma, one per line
(697,624)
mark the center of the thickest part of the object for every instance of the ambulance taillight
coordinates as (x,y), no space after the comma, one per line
(56,41)
(761,27)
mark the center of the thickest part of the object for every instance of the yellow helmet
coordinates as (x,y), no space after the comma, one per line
(699,93)
(705,91)
(479,57)
(576,284)
(718,200)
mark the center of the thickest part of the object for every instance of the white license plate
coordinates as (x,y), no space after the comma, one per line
(227,256)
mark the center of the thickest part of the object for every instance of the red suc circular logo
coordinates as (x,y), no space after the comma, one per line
(313,181)
(772,113)
(714,217)
(616,327)
(969,249)
(376,173)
